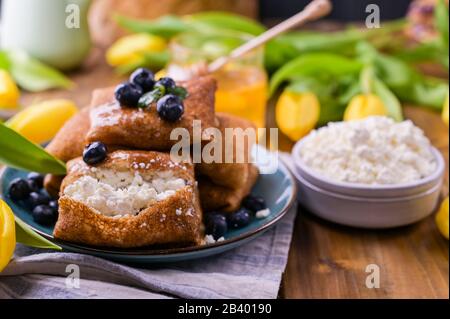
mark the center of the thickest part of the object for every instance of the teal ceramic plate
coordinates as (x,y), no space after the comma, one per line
(278,189)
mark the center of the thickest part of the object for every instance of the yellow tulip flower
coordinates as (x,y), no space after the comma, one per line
(40,122)
(7,234)
(445,112)
(442,218)
(9,92)
(129,49)
(297,114)
(364,105)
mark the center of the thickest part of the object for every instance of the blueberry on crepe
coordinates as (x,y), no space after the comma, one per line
(144,78)
(170,108)
(166,83)
(94,153)
(128,94)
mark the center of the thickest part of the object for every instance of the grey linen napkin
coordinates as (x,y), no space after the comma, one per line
(253,270)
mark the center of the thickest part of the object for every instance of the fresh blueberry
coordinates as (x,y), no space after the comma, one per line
(37,178)
(128,94)
(18,189)
(216,225)
(44,215)
(36,199)
(53,204)
(34,187)
(254,203)
(144,78)
(213,213)
(239,218)
(170,108)
(167,83)
(94,153)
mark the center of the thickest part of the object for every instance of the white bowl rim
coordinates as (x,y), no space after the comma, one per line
(317,189)
(436,175)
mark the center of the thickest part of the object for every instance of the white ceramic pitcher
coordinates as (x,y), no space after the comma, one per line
(53,31)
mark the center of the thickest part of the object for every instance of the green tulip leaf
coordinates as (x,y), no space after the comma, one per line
(167,26)
(33,75)
(371,84)
(225,21)
(4,61)
(322,64)
(16,151)
(27,236)
(441,21)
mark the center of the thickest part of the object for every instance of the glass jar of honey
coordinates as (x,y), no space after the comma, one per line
(242,83)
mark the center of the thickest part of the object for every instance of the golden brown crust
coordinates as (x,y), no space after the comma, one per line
(233,175)
(222,186)
(214,197)
(144,129)
(176,220)
(52,184)
(69,141)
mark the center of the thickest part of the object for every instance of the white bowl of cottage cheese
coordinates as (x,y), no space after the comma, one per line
(347,170)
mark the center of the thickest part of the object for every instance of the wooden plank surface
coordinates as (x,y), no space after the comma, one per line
(326,260)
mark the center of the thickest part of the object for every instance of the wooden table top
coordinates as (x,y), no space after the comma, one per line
(327,260)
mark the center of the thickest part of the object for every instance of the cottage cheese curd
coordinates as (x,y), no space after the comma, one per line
(375,150)
(121,193)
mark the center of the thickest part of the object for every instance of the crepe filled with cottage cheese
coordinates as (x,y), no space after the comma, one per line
(132,199)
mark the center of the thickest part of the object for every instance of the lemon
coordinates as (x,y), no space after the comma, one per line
(9,93)
(364,105)
(445,111)
(442,218)
(40,122)
(7,234)
(297,114)
(129,49)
